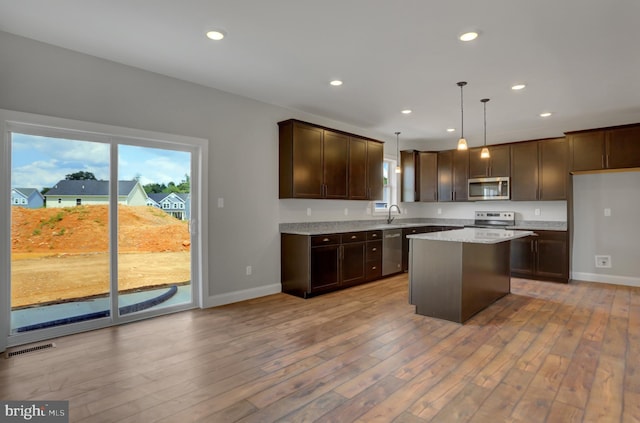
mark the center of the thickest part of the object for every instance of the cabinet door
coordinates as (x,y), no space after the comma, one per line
(587,150)
(623,148)
(307,161)
(358,183)
(375,160)
(325,267)
(428,176)
(460,175)
(445,175)
(500,161)
(552,259)
(554,169)
(335,165)
(408,187)
(353,263)
(524,171)
(522,257)
(478,167)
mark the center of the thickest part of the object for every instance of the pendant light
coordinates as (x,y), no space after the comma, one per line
(484,153)
(462,143)
(398,168)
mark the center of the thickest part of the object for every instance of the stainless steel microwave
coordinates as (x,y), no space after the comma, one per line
(496,188)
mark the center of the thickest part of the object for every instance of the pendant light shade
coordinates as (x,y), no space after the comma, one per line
(484,153)
(398,168)
(462,142)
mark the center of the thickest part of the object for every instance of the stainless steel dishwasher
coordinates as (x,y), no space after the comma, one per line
(391,251)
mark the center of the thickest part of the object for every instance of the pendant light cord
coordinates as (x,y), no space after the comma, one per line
(461,112)
(484,102)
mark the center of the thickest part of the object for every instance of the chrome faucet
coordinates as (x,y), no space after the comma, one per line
(390,219)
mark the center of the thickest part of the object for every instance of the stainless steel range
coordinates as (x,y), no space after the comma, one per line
(493,219)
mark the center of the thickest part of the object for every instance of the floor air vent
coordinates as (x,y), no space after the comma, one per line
(10,354)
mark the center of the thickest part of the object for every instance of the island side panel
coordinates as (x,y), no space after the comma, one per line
(435,275)
(485,276)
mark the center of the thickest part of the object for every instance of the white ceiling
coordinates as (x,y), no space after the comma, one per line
(580,59)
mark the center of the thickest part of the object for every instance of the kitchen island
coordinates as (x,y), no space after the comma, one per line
(455,274)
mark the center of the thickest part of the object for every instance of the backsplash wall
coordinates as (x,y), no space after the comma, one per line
(295,210)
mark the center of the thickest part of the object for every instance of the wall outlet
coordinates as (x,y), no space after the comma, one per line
(607,212)
(536,212)
(220,202)
(308,211)
(439,211)
(346,211)
(603,261)
(249,270)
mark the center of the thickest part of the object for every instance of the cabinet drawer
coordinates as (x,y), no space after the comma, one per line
(373,270)
(374,251)
(354,237)
(416,230)
(374,235)
(330,239)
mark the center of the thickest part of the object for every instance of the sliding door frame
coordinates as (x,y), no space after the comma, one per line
(114,136)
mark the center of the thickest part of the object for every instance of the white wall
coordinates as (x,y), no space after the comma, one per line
(616,235)
(243,152)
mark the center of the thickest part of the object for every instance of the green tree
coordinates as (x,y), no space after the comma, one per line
(80,176)
(154,188)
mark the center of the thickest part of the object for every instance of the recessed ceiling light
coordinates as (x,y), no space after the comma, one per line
(545,114)
(215,35)
(518,87)
(336,82)
(406,111)
(468,36)
(451,129)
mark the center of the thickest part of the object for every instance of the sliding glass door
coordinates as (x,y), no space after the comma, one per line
(154,239)
(101,230)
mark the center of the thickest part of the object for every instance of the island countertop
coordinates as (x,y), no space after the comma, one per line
(473,235)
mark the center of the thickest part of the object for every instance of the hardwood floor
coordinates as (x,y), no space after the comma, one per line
(547,352)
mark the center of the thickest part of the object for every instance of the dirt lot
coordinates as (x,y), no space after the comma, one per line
(62,254)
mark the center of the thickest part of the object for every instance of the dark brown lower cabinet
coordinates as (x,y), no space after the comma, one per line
(325,268)
(544,256)
(353,270)
(312,265)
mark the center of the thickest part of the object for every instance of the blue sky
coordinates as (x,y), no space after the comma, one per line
(39,162)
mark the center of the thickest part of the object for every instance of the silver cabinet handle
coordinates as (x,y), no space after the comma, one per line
(374,249)
(325,240)
(353,236)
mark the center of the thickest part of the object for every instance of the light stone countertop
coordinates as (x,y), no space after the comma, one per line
(473,235)
(323,228)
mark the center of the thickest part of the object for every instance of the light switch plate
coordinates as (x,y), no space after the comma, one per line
(607,212)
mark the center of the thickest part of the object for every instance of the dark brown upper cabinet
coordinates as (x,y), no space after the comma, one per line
(613,148)
(453,173)
(539,170)
(419,177)
(375,159)
(409,183)
(358,166)
(318,162)
(428,176)
(499,164)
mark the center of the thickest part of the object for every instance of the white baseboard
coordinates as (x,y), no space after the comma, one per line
(616,280)
(245,294)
